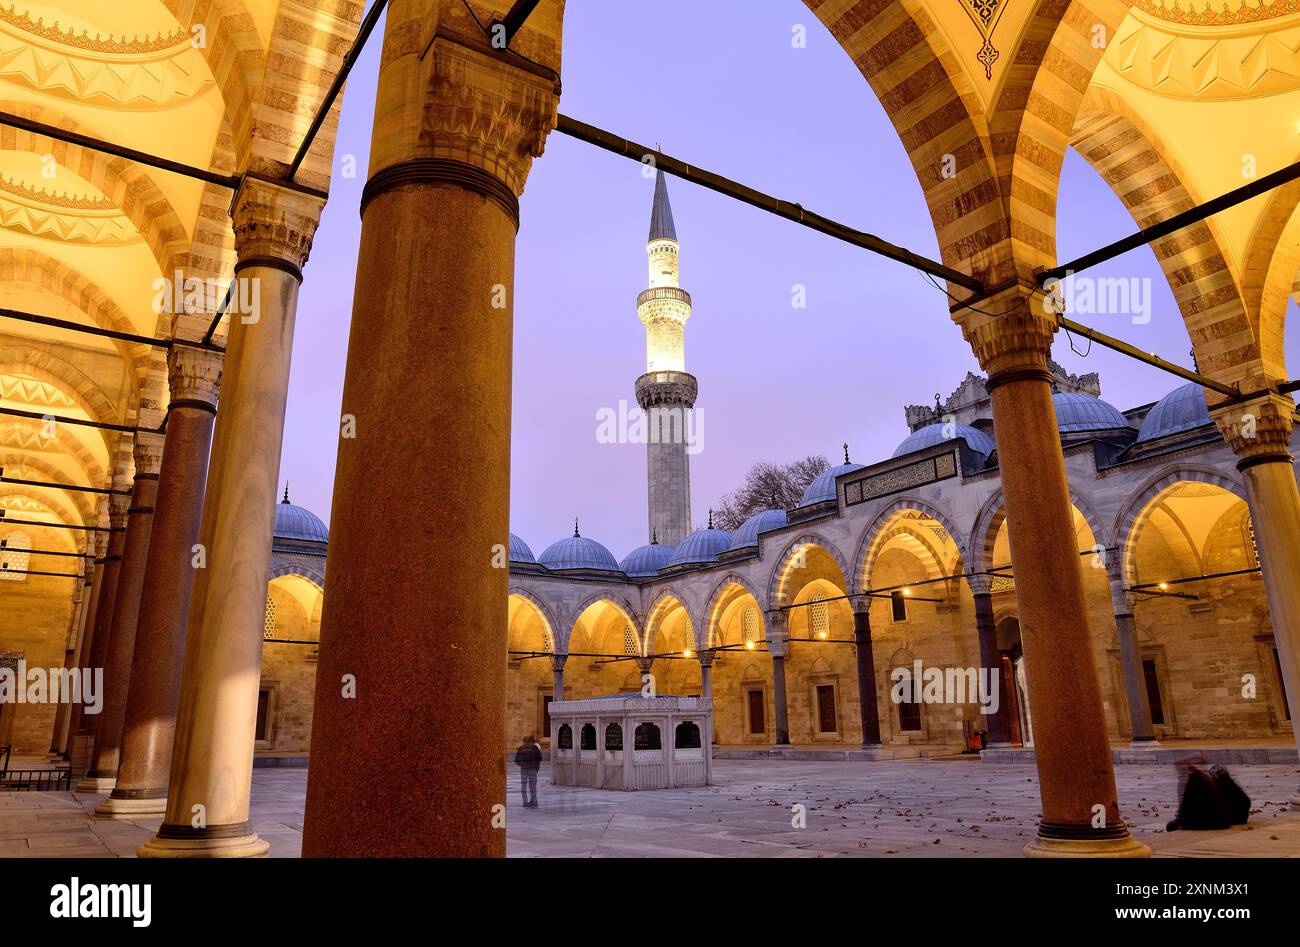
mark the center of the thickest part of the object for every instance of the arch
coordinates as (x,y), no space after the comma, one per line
(617,602)
(988,523)
(777,593)
(1268,276)
(663,605)
(719,599)
(1123,536)
(872,540)
(34,467)
(315,576)
(544,610)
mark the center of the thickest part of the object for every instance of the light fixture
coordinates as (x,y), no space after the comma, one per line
(1164,585)
(907,591)
(686,653)
(821,634)
(749,645)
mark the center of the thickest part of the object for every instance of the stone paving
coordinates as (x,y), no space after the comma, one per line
(881,809)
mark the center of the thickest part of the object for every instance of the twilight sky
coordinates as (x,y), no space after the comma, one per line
(732,95)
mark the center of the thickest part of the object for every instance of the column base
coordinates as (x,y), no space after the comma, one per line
(97,784)
(1126,846)
(1002,745)
(117,808)
(242,846)
(1143,744)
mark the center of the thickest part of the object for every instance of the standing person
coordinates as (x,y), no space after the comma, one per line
(529,760)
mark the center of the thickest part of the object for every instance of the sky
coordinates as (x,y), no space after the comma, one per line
(734,95)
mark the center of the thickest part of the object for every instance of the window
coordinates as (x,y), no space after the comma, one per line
(688,736)
(909,710)
(565,737)
(630,645)
(647,737)
(819,622)
(15,557)
(588,738)
(613,737)
(757,711)
(268,622)
(688,636)
(1153,691)
(899,602)
(263,713)
(826,717)
(750,626)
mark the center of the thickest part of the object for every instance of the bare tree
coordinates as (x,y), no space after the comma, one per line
(768,486)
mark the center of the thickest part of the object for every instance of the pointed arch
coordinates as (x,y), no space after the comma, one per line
(777,593)
(873,540)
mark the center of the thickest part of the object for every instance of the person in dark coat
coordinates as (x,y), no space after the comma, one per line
(529,760)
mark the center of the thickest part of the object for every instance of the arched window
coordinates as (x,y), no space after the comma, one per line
(819,622)
(647,737)
(750,625)
(268,621)
(587,739)
(613,737)
(688,736)
(15,557)
(630,644)
(564,739)
(688,635)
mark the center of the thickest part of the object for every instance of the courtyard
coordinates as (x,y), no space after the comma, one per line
(892,809)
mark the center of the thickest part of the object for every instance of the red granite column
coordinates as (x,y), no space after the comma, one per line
(869,710)
(997,725)
(141,789)
(95,584)
(1076,780)
(80,602)
(126,610)
(410,686)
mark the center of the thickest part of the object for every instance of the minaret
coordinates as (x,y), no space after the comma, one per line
(666,392)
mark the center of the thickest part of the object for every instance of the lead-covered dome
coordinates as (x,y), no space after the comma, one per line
(647,560)
(1077,412)
(298,523)
(519,551)
(823,486)
(761,522)
(701,546)
(1181,410)
(578,552)
(937,433)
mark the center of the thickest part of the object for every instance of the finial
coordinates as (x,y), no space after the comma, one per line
(710,517)
(575,527)
(846,452)
(1056,384)
(774,500)
(286,492)
(654,537)
(938,404)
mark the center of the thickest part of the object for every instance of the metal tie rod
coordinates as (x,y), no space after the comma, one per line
(61,486)
(795,212)
(86,529)
(59,419)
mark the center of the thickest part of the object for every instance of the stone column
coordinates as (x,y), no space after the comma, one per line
(1075,776)
(80,601)
(868,708)
(1259,432)
(981,587)
(1135,688)
(216,717)
(428,384)
(706,692)
(87,724)
(557,666)
(141,791)
(126,611)
(777,643)
(75,722)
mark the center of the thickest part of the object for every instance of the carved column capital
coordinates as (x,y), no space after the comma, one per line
(194,374)
(558,661)
(1010,331)
(147,451)
(117,507)
(705,659)
(980,584)
(1259,430)
(273,225)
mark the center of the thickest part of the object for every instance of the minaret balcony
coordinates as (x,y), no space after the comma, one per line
(663,292)
(666,389)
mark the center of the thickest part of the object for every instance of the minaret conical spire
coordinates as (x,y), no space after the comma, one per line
(661,212)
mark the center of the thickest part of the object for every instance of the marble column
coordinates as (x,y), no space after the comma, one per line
(428,384)
(1259,432)
(212,753)
(87,636)
(557,666)
(1076,779)
(1135,687)
(997,725)
(86,724)
(126,611)
(80,602)
(778,635)
(141,789)
(868,707)
(706,693)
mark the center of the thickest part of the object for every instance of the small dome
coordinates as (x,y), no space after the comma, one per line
(1076,411)
(299,523)
(761,522)
(703,545)
(1181,410)
(823,488)
(937,433)
(646,560)
(519,551)
(578,552)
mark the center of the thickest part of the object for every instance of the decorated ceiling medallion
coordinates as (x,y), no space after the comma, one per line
(1202,12)
(83,40)
(985,14)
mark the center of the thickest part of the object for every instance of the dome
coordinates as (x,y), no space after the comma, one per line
(703,545)
(761,522)
(933,434)
(1181,410)
(519,551)
(646,560)
(296,522)
(578,552)
(823,488)
(1077,412)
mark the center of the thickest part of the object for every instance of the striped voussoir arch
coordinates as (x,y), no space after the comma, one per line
(1133,163)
